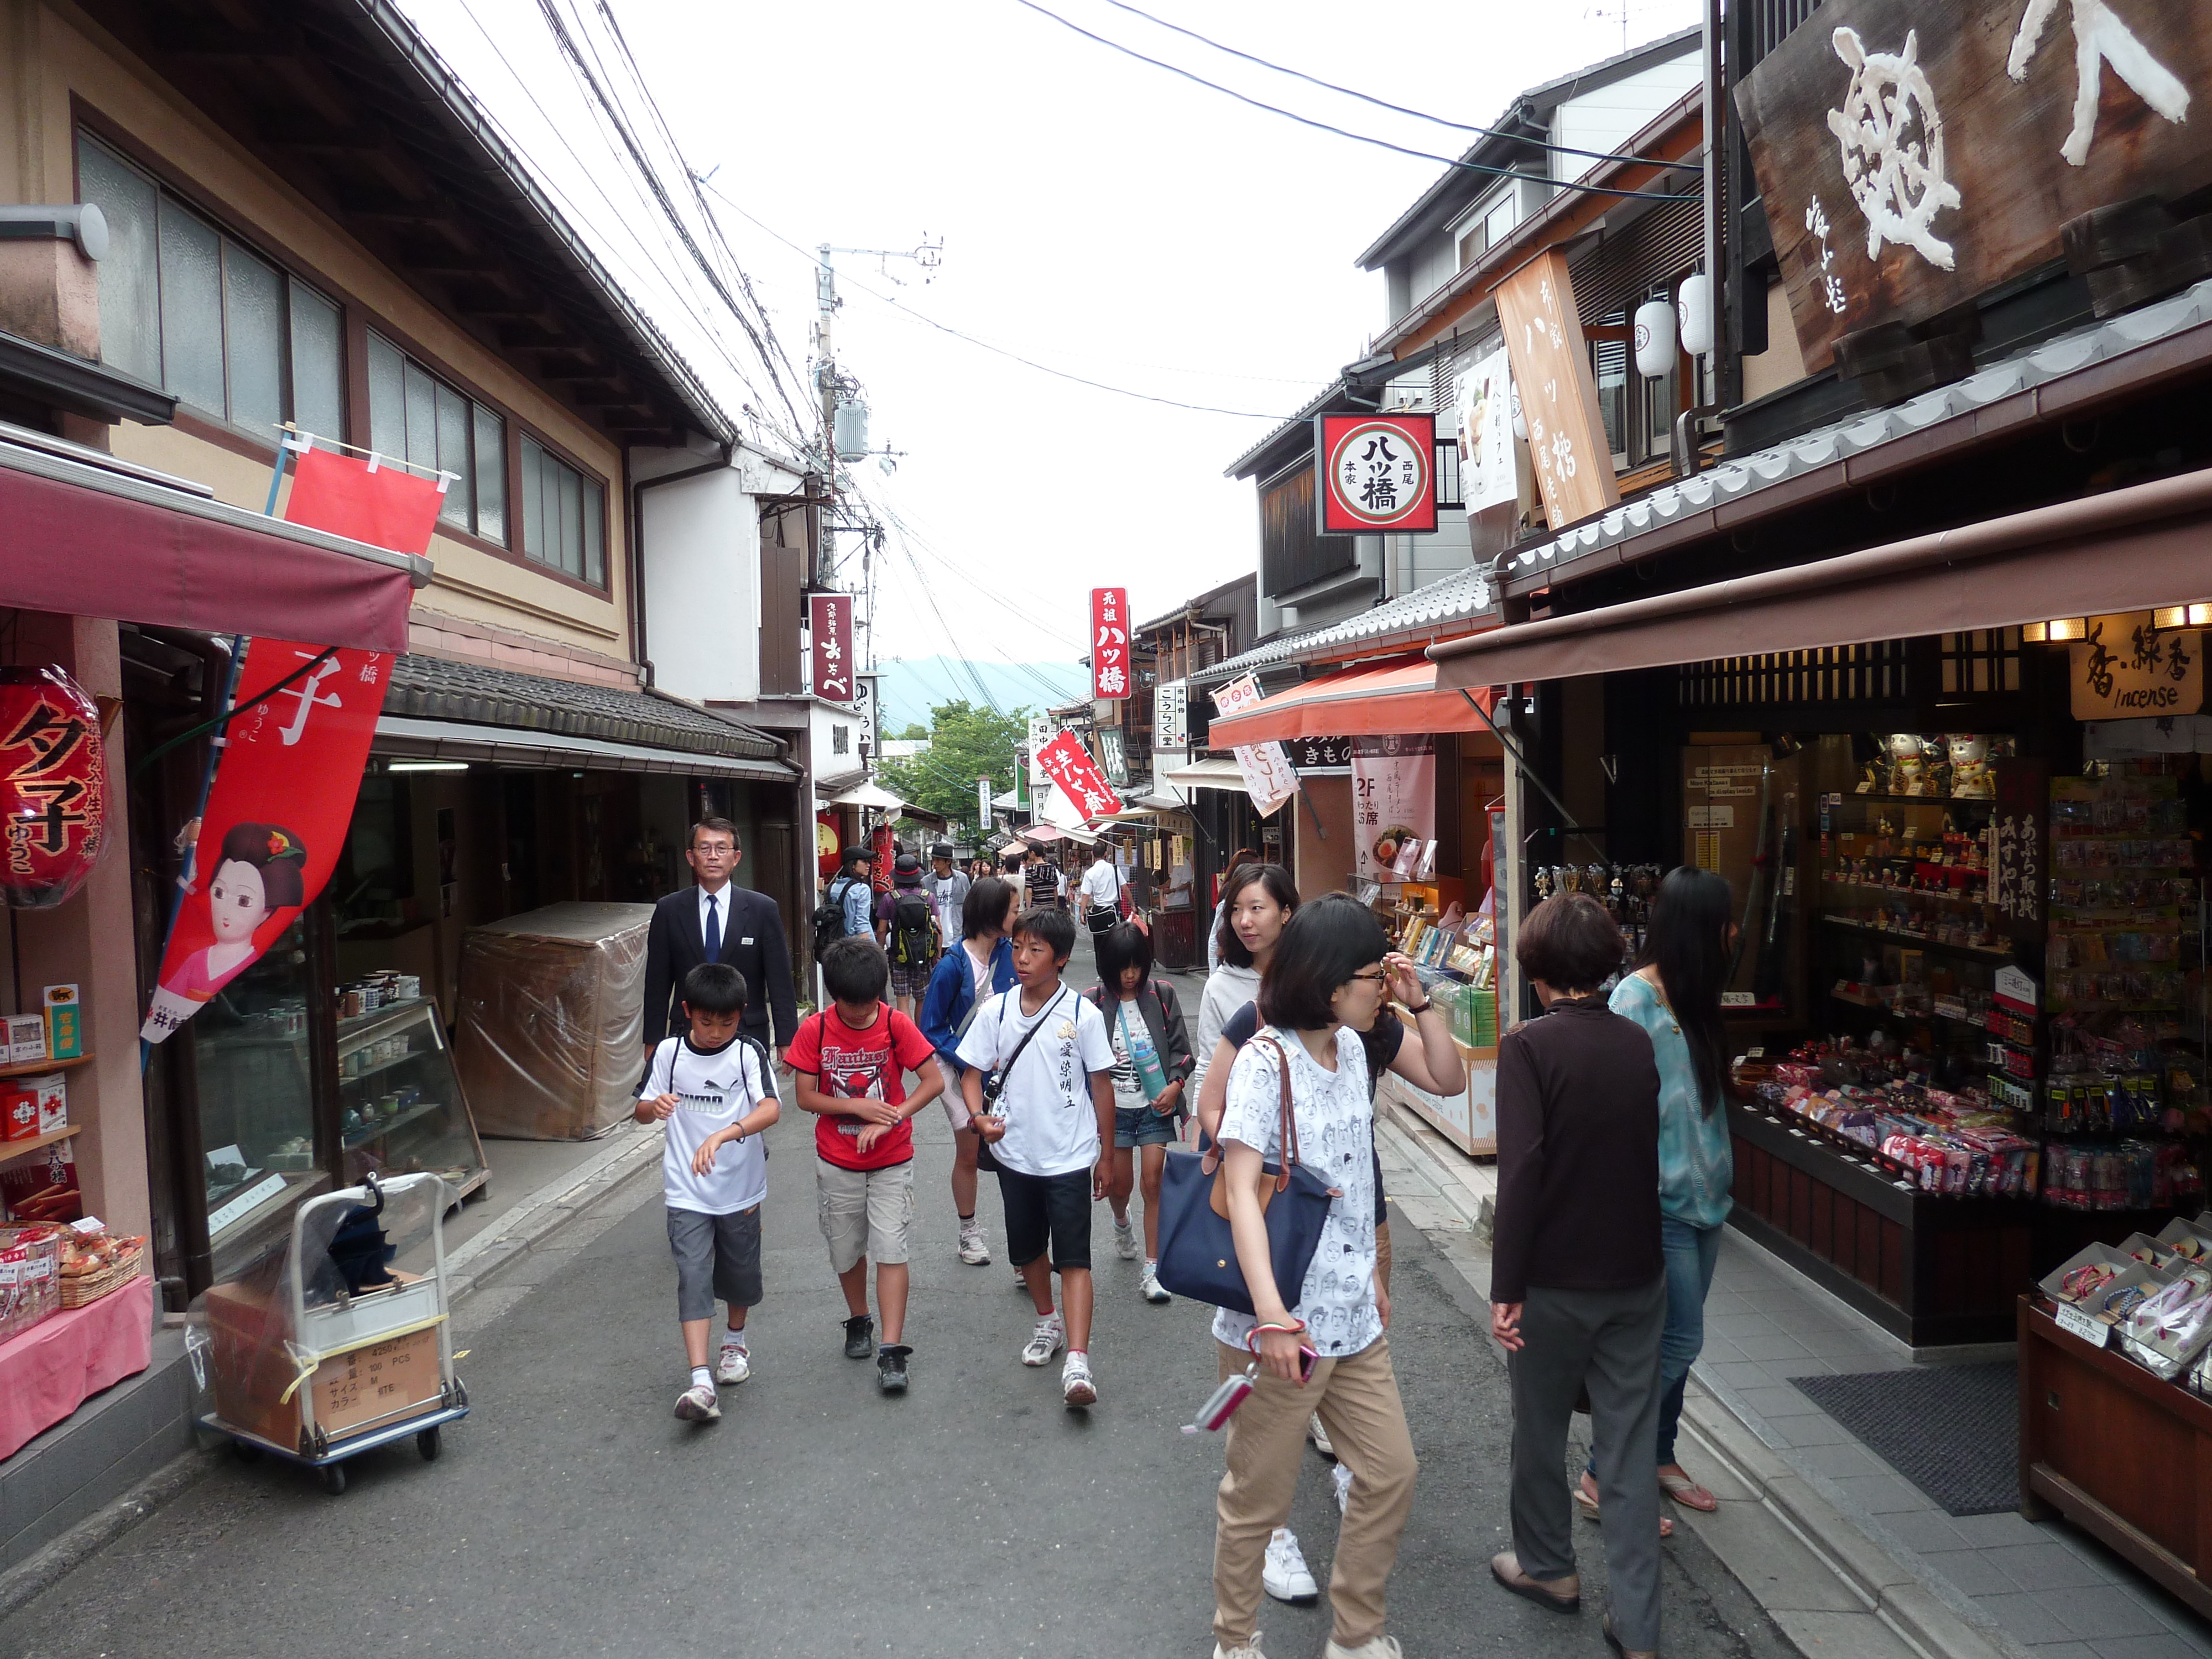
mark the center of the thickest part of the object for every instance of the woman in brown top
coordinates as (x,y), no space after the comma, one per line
(1578,1289)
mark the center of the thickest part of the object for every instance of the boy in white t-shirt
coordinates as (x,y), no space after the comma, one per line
(1048,1130)
(715,1091)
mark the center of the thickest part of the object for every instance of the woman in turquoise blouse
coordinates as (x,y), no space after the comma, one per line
(1674,994)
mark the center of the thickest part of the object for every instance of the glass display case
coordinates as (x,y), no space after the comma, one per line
(400,1104)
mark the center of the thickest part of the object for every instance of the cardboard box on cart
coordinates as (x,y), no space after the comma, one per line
(355,1389)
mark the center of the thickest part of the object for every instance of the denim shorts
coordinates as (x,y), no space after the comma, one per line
(1140,1126)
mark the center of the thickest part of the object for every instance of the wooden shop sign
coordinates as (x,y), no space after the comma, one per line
(2130,668)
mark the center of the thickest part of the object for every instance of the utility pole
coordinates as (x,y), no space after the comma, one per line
(825,382)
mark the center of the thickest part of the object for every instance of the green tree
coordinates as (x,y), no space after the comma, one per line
(965,743)
(915,733)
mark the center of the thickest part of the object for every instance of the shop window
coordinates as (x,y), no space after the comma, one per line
(1609,364)
(1983,662)
(841,739)
(255,1101)
(563,515)
(1839,673)
(416,416)
(193,311)
(1448,483)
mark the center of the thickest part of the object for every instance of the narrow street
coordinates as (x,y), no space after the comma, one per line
(572,1515)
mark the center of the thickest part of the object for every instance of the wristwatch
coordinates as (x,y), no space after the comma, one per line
(1423,1009)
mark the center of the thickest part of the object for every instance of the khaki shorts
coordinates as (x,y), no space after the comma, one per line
(864,1212)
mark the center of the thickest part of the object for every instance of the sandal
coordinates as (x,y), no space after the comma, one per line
(1589,1506)
(1688,1493)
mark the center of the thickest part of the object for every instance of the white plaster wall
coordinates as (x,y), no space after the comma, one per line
(1607,118)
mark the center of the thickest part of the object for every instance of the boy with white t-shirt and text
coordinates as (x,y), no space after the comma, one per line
(714,1091)
(1048,1130)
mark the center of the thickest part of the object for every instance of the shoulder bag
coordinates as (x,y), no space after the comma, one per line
(994,1080)
(1198,1253)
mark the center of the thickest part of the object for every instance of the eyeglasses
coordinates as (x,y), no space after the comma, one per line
(1380,977)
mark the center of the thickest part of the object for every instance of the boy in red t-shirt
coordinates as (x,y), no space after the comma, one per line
(851,1062)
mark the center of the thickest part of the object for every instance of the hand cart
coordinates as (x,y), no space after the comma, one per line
(313,1370)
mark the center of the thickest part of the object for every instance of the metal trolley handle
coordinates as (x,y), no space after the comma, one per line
(370,1192)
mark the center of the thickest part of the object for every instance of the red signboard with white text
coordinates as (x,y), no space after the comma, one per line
(829,618)
(1069,765)
(1378,472)
(1110,642)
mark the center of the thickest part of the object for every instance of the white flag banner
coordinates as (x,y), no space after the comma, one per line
(1486,434)
(1269,778)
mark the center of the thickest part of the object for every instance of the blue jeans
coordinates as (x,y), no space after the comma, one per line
(1690,1254)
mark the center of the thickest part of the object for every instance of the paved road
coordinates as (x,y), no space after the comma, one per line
(572,1515)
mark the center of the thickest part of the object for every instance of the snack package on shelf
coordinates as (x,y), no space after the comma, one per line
(30,1283)
(2168,1329)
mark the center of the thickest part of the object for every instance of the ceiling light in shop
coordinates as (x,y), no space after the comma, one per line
(2056,631)
(426,766)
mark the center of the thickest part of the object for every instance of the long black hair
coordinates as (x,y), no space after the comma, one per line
(1280,887)
(1687,946)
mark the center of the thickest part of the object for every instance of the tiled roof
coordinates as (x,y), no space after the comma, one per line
(430,688)
(1466,594)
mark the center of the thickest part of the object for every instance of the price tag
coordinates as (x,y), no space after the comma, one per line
(2075,1323)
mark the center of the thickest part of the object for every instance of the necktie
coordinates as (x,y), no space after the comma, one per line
(714,929)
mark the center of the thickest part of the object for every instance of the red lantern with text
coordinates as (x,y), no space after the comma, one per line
(53,786)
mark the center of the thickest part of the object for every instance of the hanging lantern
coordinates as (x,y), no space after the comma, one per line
(1693,307)
(53,786)
(1655,339)
(1520,420)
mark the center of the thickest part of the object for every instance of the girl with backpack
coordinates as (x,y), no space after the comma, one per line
(1151,1068)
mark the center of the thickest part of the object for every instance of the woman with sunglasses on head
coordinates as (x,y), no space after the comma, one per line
(1257,901)
(1324,984)
(1674,994)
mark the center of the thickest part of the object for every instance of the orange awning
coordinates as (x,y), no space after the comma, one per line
(1377,700)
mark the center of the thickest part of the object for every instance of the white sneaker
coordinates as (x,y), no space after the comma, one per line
(1319,1436)
(1150,1286)
(973,1250)
(1125,1240)
(1283,1575)
(696,1405)
(1076,1386)
(1343,1486)
(1383,1647)
(1243,1651)
(735,1367)
(1048,1340)
(1020,1284)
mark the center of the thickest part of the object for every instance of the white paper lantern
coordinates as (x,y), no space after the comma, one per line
(1655,339)
(1520,424)
(1693,306)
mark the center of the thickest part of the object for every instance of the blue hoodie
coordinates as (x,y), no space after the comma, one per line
(951,994)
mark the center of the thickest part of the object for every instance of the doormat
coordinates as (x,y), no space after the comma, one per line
(1952,1431)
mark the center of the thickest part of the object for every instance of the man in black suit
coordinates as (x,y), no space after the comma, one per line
(714,922)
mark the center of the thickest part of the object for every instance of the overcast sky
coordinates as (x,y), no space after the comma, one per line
(1098,216)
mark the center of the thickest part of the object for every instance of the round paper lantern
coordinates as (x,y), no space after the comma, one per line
(1693,306)
(1655,339)
(53,786)
(1520,420)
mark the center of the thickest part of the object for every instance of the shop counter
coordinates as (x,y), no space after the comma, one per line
(1468,1119)
(2122,1454)
(60,1363)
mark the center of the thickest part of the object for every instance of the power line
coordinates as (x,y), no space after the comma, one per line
(999,350)
(1385,103)
(1359,138)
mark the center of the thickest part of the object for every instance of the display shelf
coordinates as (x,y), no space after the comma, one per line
(382,1065)
(367,1028)
(12,1150)
(1999,953)
(1940,895)
(40,1068)
(378,1131)
(1850,795)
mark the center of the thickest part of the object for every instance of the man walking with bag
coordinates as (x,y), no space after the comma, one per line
(1100,893)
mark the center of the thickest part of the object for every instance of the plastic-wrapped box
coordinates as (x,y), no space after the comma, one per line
(549,1040)
(30,1277)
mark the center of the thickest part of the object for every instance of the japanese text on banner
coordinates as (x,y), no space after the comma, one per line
(1269,778)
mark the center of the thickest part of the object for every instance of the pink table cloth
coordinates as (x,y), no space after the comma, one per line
(51,1369)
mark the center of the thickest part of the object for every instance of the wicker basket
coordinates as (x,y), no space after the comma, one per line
(90,1287)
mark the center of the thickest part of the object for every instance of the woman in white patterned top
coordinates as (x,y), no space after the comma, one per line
(1327,1354)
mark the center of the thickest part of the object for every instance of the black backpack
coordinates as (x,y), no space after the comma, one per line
(829,915)
(913,931)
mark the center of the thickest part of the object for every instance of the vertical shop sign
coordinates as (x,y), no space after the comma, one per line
(1172,717)
(1559,394)
(1110,642)
(829,620)
(1113,756)
(1076,775)
(869,740)
(1378,472)
(982,806)
(1394,804)
(1033,782)
(2020,867)
(1484,406)
(1269,778)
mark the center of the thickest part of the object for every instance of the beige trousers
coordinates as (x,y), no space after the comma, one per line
(1358,1400)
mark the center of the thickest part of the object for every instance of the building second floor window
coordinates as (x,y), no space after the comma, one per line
(189,308)
(417,417)
(841,739)
(564,515)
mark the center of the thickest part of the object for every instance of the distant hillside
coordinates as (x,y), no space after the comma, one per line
(911,687)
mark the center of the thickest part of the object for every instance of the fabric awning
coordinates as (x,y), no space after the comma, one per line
(1392,699)
(1044,834)
(2127,549)
(868,794)
(95,540)
(1205,774)
(404,737)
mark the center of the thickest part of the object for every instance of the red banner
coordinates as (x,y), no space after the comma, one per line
(1377,472)
(1069,765)
(290,759)
(830,616)
(53,786)
(1110,642)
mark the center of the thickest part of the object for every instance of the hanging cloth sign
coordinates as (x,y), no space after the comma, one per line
(1394,804)
(1068,765)
(1269,778)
